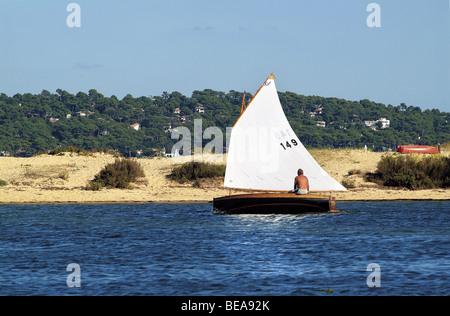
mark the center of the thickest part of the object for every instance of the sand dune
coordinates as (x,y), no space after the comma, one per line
(61,179)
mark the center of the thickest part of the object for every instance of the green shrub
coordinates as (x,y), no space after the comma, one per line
(348,184)
(59,151)
(194,171)
(64,175)
(3,183)
(119,174)
(413,171)
(354,171)
(68,149)
(93,186)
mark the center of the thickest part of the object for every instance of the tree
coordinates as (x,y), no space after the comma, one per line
(26,125)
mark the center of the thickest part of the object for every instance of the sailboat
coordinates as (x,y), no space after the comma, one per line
(264,155)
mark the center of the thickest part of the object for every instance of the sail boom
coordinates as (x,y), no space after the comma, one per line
(277,191)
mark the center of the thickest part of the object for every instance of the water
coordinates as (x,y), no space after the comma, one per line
(168,249)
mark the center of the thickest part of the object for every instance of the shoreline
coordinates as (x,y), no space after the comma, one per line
(198,202)
(60,180)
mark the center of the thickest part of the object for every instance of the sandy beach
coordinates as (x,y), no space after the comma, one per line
(61,179)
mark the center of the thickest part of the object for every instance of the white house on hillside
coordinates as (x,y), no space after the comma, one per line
(200,109)
(385,123)
(321,124)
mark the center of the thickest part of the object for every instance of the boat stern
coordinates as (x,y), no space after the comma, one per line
(332,205)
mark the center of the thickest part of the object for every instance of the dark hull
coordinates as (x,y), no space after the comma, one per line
(273,203)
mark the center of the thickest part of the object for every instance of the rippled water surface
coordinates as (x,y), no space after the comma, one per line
(183,249)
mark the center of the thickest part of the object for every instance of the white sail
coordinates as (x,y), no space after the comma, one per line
(264,152)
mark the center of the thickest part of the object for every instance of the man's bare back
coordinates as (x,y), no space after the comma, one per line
(301,183)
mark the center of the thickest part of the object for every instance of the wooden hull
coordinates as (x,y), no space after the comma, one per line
(273,203)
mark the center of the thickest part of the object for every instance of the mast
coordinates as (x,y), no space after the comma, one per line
(243,101)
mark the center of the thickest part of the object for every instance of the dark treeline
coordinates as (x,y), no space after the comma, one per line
(31,123)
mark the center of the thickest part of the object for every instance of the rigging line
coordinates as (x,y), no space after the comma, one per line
(243,101)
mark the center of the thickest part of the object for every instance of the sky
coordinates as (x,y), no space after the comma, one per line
(313,47)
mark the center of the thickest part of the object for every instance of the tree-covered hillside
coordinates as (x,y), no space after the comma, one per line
(33,123)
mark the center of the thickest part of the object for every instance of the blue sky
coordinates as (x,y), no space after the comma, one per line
(146,47)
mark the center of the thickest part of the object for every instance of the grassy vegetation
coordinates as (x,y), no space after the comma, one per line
(354,171)
(119,174)
(445,147)
(68,149)
(348,184)
(60,151)
(413,171)
(196,171)
(50,172)
(3,183)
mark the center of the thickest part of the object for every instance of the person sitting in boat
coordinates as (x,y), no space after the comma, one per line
(301,183)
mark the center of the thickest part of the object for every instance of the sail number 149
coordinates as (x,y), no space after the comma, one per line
(289,144)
